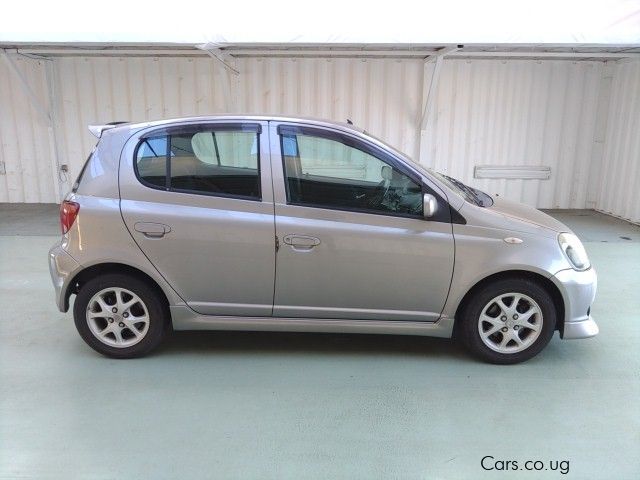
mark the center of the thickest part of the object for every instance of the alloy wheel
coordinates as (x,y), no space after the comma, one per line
(510,323)
(117,317)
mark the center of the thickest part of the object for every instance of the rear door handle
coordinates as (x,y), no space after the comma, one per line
(152,230)
(301,242)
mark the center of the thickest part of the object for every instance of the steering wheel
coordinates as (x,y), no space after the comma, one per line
(378,195)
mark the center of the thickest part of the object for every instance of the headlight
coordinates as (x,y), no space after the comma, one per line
(574,251)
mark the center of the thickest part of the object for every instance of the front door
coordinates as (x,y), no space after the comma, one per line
(353,240)
(197,199)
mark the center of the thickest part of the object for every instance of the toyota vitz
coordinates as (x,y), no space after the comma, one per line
(291,224)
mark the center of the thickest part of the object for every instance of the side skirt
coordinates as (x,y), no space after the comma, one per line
(183,318)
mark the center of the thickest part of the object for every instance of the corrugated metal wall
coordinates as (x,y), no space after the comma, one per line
(620,178)
(499,112)
(518,113)
(380,95)
(25,149)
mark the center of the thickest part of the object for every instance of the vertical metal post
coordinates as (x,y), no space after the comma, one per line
(52,91)
(431,92)
(429,95)
(592,199)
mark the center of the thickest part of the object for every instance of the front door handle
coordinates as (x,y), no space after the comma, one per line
(152,230)
(301,242)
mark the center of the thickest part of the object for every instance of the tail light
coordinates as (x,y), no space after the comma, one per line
(68,213)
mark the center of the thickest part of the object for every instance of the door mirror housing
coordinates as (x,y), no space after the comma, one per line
(429,205)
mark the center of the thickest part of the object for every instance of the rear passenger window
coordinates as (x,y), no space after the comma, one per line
(224,162)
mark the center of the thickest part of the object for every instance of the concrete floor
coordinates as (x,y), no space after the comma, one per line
(256,405)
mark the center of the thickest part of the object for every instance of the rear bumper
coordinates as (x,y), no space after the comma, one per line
(62,266)
(578,291)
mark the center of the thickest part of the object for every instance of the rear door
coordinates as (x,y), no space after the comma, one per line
(198,201)
(353,240)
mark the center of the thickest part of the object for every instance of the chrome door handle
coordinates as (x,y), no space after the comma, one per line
(152,230)
(301,242)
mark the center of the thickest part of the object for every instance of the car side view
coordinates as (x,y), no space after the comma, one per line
(292,224)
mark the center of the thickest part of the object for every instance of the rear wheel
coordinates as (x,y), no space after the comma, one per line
(508,321)
(120,316)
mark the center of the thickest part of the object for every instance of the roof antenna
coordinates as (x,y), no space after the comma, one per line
(349,121)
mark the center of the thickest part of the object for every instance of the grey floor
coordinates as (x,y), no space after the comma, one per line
(243,405)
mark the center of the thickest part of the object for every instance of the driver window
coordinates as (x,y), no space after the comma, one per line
(327,172)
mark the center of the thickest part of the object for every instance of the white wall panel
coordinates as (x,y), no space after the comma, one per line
(497,112)
(24,136)
(382,96)
(517,113)
(620,178)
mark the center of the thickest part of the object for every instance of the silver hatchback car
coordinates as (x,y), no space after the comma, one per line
(291,224)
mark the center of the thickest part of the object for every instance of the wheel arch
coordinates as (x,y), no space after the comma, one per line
(543,281)
(96,270)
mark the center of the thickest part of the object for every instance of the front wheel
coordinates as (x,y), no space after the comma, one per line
(508,321)
(120,316)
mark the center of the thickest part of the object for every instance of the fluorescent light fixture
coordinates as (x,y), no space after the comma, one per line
(521,172)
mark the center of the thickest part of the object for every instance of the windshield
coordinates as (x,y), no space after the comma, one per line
(470,194)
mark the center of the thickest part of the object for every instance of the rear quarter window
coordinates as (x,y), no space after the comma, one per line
(151,161)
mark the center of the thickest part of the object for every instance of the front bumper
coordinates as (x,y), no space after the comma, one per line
(62,266)
(578,291)
(582,329)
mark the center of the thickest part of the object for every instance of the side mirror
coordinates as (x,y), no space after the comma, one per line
(429,205)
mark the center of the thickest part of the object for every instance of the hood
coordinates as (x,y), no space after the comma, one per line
(525,213)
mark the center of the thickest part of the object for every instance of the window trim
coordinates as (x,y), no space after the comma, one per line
(168,131)
(358,144)
(203,127)
(76,184)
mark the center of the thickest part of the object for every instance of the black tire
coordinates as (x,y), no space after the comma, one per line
(155,304)
(468,328)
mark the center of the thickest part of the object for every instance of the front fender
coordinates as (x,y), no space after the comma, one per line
(481,252)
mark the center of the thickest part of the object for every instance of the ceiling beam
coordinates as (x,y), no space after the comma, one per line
(235,52)
(517,54)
